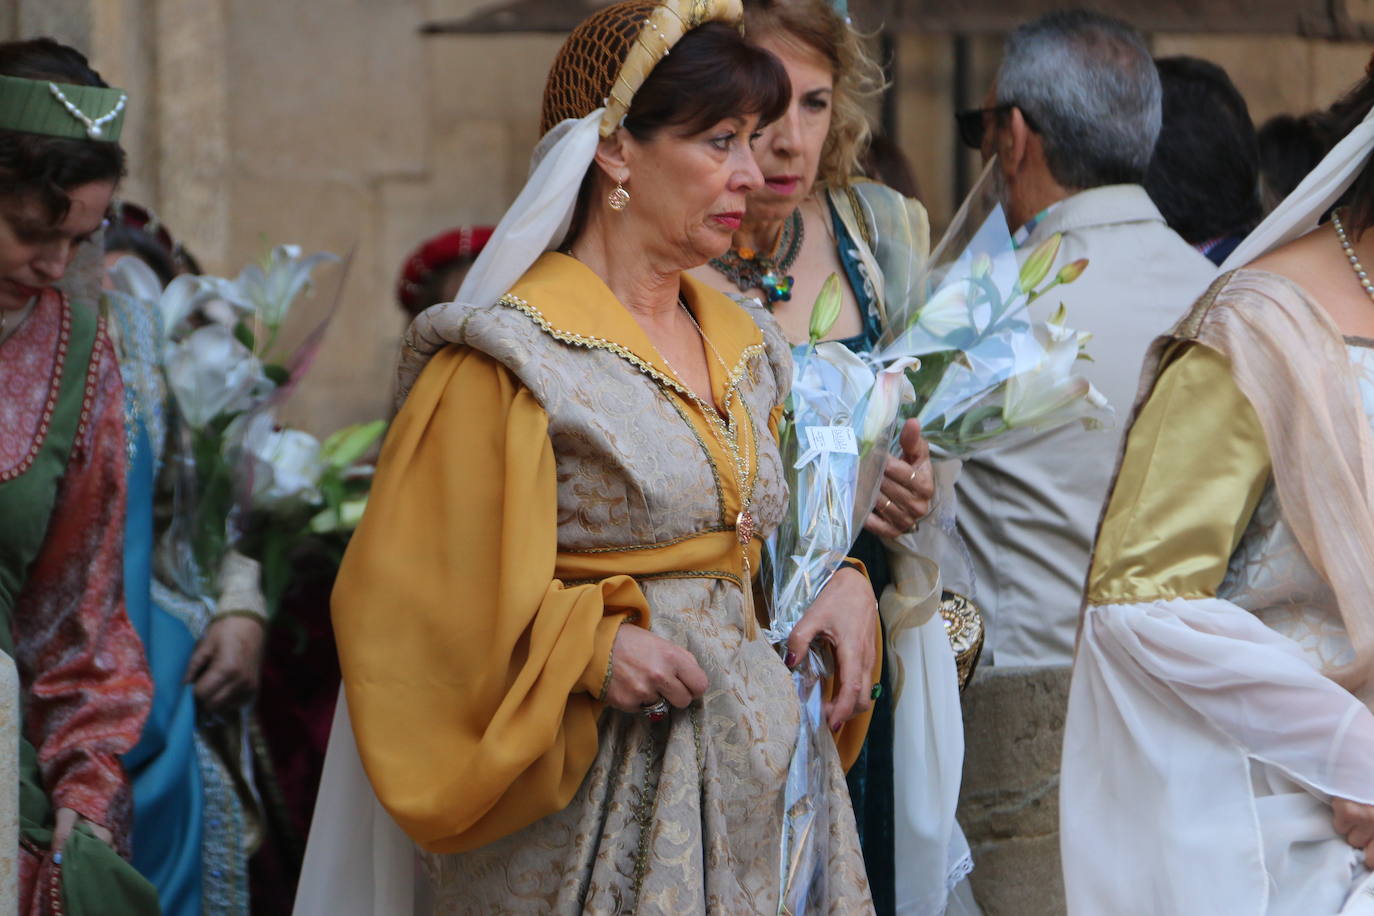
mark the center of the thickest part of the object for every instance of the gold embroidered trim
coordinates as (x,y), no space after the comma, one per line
(643,801)
(610,669)
(631,548)
(864,231)
(1191,324)
(671,574)
(726,429)
(591,343)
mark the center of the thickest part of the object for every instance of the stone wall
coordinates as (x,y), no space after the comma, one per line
(337,126)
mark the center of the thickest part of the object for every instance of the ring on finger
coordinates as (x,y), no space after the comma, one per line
(656,711)
(887,504)
(912,478)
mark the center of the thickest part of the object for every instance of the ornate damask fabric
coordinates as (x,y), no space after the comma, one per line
(682,816)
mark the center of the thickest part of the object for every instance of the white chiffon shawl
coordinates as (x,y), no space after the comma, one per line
(1202,747)
(358,862)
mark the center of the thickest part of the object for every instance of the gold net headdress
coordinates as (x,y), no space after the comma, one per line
(607,58)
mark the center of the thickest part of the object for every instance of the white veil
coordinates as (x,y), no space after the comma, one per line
(1300,211)
(358,862)
(534,224)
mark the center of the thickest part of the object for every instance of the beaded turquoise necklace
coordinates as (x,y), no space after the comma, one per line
(747,269)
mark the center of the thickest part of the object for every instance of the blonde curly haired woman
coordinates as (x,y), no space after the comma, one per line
(814,216)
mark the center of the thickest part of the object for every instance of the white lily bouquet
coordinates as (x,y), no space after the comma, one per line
(959,354)
(233,470)
(988,373)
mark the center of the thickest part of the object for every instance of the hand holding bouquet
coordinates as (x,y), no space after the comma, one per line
(960,354)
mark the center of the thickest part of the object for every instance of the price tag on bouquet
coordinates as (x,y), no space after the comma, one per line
(833,439)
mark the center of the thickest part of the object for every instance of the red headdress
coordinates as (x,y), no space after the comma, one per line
(445,249)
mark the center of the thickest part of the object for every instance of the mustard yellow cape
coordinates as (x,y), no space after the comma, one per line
(470,661)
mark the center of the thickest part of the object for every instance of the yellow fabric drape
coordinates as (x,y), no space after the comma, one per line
(471,672)
(473,650)
(1194,469)
(849,740)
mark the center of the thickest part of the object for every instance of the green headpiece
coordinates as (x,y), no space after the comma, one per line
(61,109)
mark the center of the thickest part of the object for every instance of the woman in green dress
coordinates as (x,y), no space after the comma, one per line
(83,687)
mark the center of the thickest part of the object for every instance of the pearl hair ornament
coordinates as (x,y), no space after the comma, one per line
(95,127)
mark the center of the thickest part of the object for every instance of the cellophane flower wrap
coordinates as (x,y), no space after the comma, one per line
(960,354)
(989,374)
(838,427)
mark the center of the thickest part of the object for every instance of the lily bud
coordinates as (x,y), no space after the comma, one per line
(826,311)
(982,265)
(1037,267)
(1070,272)
(349,444)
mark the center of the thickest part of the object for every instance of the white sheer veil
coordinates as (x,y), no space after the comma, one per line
(1300,212)
(358,862)
(537,222)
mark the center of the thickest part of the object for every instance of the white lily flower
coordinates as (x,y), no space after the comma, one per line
(133,277)
(947,311)
(180,300)
(223,302)
(1049,394)
(286,463)
(891,390)
(272,291)
(211,373)
(836,369)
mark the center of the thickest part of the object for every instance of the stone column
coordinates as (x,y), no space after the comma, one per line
(124,49)
(1009,804)
(69,21)
(192,130)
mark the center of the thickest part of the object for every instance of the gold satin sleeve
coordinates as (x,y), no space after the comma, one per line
(471,672)
(1195,467)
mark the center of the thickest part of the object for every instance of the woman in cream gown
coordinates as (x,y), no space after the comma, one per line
(1219,749)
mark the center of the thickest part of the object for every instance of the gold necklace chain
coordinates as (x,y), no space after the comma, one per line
(726,432)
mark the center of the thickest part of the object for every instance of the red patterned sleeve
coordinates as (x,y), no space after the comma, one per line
(87,689)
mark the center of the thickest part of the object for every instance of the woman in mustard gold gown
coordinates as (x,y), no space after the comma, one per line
(553,669)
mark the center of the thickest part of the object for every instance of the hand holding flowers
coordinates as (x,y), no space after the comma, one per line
(231,467)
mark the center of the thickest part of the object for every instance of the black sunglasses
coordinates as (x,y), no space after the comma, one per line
(973,124)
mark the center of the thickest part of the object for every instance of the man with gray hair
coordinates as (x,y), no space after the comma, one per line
(1073,120)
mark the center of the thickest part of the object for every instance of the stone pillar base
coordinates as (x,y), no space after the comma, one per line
(1009,805)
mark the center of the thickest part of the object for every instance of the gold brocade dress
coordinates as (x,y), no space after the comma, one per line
(544,483)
